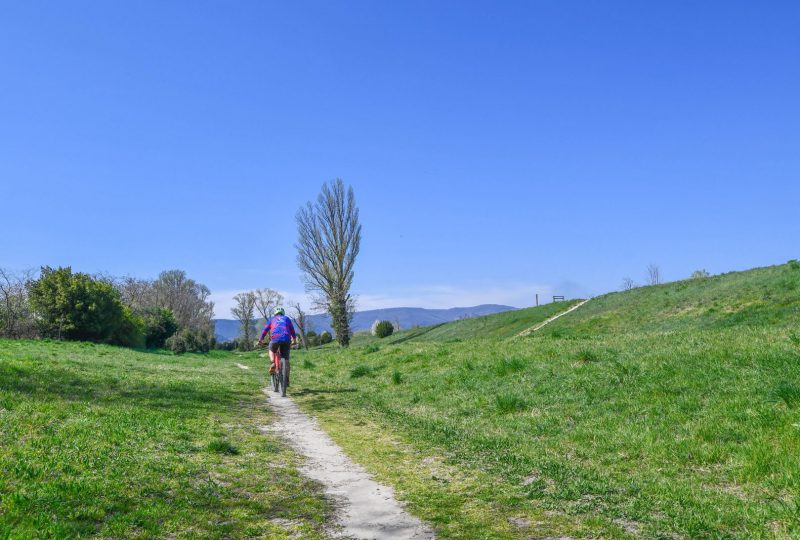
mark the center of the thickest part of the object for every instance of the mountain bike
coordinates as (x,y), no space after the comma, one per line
(280,375)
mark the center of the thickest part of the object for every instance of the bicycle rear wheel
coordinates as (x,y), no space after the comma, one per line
(284,375)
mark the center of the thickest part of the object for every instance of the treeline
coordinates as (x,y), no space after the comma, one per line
(172,311)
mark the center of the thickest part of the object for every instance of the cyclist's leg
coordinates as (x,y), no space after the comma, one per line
(274,353)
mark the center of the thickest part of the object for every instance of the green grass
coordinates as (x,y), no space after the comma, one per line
(762,297)
(499,325)
(645,416)
(104,442)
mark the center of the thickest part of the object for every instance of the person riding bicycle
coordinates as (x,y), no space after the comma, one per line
(281,336)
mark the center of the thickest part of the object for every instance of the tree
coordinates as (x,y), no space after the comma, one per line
(160,325)
(653,274)
(187,299)
(700,274)
(329,238)
(15,315)
(301,318)
(244,311)
(76,306)
(266,301)
(628,284)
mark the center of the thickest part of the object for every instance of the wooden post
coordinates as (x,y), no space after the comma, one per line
(537,299)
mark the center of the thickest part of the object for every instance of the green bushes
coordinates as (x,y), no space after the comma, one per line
(325,338)
(188,340)
(160,324)
(382,329)
(76,306)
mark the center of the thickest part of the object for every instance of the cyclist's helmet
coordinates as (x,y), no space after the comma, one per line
(279,311)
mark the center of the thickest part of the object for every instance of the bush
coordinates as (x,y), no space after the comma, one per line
(227,345)
(382,329)
(794,264)
(325,337)
(700,274)
(160,324)
(131,331)
(187,340)
(79,307)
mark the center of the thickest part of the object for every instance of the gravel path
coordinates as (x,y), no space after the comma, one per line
(366,509)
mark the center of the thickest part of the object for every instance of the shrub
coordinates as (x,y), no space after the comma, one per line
(187,340)
(382,329)
(160,324)
(371,348)
(397,377)
(700,274)
(794,264)
(76,306)
(325,337)
(131,331)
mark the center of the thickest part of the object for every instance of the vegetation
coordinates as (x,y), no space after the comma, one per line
(77,306)
(329,239)
(665,411)
(382,329)
(106,442)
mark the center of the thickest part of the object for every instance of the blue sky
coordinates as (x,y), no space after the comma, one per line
(496,149)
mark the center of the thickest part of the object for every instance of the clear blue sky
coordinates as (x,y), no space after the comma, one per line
(496,149)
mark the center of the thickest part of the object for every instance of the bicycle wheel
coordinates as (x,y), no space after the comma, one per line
(284,374)
(274,382)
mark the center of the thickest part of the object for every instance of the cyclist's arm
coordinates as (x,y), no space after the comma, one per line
(291,330)
(264,332)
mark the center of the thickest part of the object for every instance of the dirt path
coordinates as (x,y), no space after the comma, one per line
(551,319)
(366,509)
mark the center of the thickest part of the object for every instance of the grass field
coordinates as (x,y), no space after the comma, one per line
(99,441)
(681,420)
(664,412)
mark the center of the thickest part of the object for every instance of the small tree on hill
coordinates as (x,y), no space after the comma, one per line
(628,284)
(653,274)
(700,274)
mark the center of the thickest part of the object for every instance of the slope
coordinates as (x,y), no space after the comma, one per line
(758,297)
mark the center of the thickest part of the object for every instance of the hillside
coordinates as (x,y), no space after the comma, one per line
(496,326)
(758,297)
(662,412)
(227,329)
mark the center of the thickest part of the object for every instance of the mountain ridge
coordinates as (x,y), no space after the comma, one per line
(406,317)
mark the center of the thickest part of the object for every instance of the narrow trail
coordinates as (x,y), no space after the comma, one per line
(551,319)
(366,509)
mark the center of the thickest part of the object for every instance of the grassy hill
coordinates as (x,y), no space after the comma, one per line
(104,442)
(759,297)
(499,325)
(663,412)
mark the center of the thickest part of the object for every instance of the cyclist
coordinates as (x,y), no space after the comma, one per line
(281,337)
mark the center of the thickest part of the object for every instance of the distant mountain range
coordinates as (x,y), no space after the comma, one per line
(228,329)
